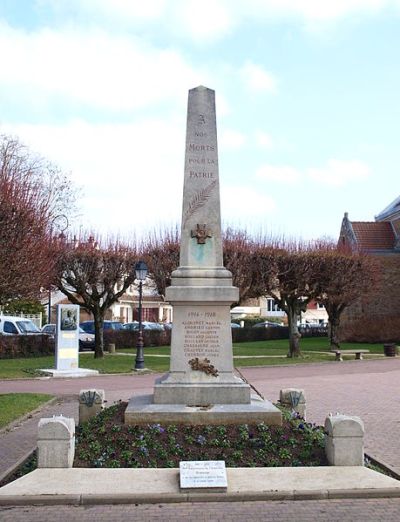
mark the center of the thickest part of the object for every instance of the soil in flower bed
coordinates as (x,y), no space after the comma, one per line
(106,442)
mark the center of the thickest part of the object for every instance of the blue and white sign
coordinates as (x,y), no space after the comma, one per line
(67,337)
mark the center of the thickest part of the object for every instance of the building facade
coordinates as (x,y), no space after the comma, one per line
(380,310)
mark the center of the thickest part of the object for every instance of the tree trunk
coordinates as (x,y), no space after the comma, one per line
(333,329)
(98,333)
(294,334)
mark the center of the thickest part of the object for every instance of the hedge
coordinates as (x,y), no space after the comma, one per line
(128,338)
(13,346)
(371,329)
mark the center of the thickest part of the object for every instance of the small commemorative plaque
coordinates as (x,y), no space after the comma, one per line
(203,474)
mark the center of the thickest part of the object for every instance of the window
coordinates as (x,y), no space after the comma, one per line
(27,327)
(10,328)
(272,306)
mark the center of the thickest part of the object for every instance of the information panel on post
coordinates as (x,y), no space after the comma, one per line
(67,337)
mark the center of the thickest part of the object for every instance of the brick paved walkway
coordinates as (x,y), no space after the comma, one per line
(369,389)
(365,388)
(385,510)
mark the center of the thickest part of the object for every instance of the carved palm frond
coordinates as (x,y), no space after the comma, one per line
(198,201)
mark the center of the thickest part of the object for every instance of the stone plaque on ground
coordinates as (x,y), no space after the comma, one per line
(203,474)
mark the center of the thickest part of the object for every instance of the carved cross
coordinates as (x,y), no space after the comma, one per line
(201,233)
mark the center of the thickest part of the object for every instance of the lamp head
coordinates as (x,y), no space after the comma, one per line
(141,270)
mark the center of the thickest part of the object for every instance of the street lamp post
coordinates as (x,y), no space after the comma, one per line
(141,274)
(61,223)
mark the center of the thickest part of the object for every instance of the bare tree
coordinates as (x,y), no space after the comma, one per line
(289,274)
(95,277)
(239,255)
(344,278)
(32,194)
(160,251)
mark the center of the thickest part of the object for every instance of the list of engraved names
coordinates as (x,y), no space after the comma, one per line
(201,334)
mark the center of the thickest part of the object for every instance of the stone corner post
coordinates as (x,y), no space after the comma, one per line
(344,440)
(294,399)
(91,402)
(56,442)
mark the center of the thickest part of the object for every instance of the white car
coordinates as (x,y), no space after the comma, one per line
(14,325)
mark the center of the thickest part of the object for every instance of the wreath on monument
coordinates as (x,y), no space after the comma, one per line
(203,365)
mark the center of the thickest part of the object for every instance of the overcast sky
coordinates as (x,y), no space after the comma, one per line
(307,91)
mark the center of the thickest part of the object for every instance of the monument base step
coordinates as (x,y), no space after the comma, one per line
(201,393)
(78,372)
(142,410)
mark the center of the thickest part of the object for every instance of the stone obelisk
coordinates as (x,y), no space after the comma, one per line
(201,386)
(201,291)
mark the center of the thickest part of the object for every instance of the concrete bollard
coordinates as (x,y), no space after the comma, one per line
(56,442)
(295,399)
(91,402)
(111,347)
(344,440)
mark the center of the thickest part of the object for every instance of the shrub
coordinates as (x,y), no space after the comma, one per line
(371,329)
(128,338)
(13,346)
(240,335)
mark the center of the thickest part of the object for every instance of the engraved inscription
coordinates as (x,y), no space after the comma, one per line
(194,147)
(202,161)
(201,335)
(203,174)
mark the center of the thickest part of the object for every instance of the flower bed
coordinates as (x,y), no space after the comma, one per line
(105,441)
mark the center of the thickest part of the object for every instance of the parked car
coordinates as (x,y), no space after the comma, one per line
(268,324)
(146,325)
(235,325)
(313,328)
(88,326)
(14,325)
(86,340)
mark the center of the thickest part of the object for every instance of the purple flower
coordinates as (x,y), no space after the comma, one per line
(157,427)
(200,440)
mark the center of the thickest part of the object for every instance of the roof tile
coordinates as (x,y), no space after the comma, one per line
(373,235)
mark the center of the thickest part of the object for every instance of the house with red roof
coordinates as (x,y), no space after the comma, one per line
(376,318)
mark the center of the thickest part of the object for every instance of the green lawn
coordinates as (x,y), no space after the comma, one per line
(276,347)
(257,353)
(14,405)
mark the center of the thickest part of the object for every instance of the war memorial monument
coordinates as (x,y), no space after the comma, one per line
(201,386)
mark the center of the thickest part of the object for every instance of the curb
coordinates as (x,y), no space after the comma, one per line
(384,465)
(14,467)
(13,424)
(294,495)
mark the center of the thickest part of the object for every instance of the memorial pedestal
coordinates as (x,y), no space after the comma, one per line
(143,410)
